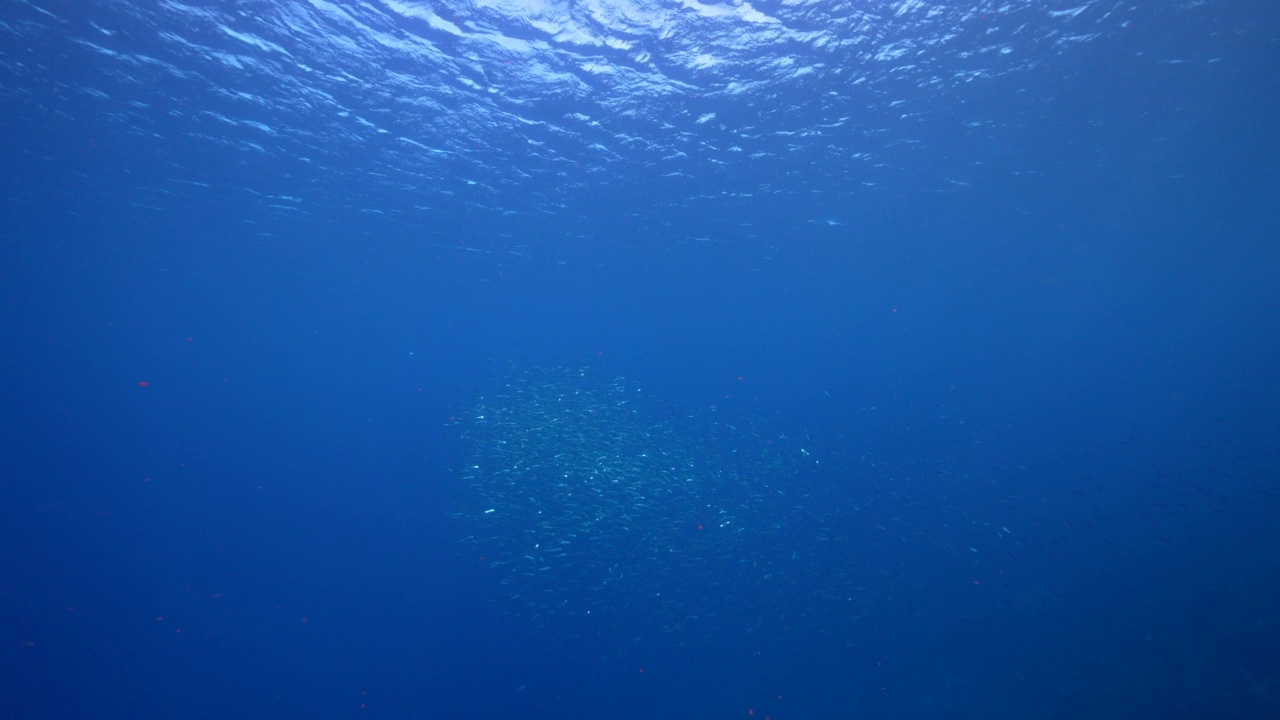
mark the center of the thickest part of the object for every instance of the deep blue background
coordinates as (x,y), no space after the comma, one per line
(227,458)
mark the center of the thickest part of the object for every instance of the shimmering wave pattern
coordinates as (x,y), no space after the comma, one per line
(394,106)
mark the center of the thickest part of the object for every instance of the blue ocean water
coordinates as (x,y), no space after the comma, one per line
(772,359)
